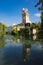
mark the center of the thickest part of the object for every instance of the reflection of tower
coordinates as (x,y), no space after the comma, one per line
(27,51)
(25,16)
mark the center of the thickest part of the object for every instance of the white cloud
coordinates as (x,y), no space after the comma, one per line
(37,14)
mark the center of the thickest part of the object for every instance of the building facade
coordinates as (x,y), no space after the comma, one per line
(25,16)
(25,20)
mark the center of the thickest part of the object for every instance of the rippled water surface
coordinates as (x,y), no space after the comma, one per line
(13,51)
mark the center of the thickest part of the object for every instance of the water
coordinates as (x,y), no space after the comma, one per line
(13,51)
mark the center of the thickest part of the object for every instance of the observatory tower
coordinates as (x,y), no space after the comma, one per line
(25,17)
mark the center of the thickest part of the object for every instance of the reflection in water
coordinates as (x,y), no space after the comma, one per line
(26,51)
(13,52)
(34,37)
(2,42)
(1,63)
(36,54)
(16,40)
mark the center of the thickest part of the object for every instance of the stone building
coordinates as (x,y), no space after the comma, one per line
(25,16)
(25,20)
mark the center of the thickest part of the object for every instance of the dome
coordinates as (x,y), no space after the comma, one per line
(23,9)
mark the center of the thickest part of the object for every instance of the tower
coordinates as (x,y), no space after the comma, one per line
(25,17)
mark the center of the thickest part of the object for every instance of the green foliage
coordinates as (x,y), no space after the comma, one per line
(40,9)
(2,29)
(35,25)
(38,25)
(14,31)
(20,24)
(2,42)
(24,32)
(32,25)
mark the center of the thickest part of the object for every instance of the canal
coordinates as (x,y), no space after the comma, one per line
(18,51)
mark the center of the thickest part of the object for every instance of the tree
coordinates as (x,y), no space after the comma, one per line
(24,32)
(14,31)
(2,29)
(41,9)
(32,25)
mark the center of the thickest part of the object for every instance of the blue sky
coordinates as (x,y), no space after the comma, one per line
(11,11)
